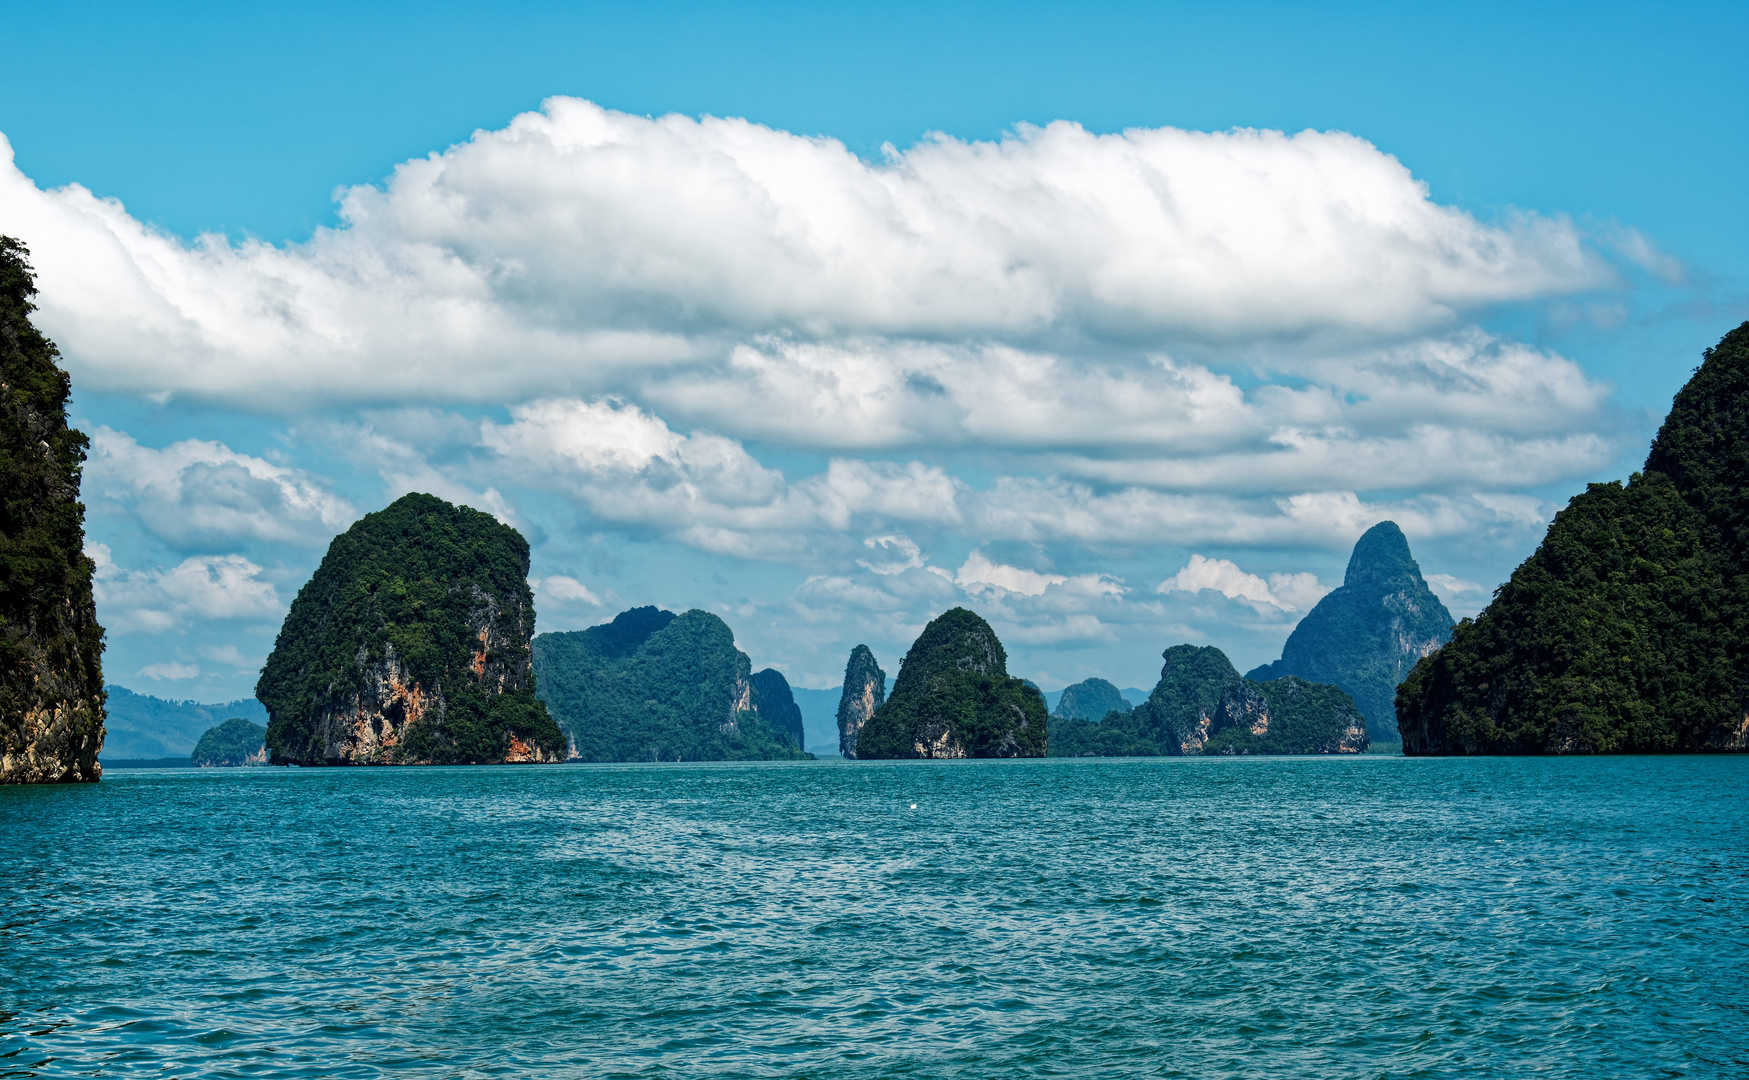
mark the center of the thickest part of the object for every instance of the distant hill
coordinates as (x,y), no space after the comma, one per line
(655,686)
(143,726)
(1367,635)
(1627,631)
(232,744)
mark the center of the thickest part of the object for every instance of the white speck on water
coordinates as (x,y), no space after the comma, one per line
(913,806)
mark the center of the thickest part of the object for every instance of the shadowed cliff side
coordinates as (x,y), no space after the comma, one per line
(1627,631)
(51,647)
(1367,635)
(865,691)
(410,646)
(954,698)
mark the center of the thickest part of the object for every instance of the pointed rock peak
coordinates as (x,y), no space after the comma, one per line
(1381,557)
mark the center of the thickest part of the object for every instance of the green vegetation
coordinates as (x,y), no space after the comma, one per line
(653,686)
(1627,631)
(1202,706)
(410,593)
(143,726)
(232,743)
(51,647)
(955,698)
(1367,635)
(1090,699)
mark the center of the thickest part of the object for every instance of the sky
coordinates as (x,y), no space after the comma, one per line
(1115,323)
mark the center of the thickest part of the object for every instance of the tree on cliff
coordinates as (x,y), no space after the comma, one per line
(1627,630)
(51,647)
(410,645)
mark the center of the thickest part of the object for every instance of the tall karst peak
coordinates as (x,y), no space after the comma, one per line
(1367,635)
(954,698)
(410,645)
(51,647)
(1627,630)
(865,690)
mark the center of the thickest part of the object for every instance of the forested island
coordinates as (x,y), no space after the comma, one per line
(1627,631)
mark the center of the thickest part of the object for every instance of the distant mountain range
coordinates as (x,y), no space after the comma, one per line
(143,726)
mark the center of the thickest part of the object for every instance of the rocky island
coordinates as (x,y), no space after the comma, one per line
(865,690)
(954,698)
(1370,632)
(1090,699)
(410,646)
(655,686)
(1627,630)
(51,647)
(1202,706)
(232,744)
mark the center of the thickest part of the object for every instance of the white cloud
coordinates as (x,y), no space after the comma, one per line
(170,669)
(980,573)
(578,247)
(1282,592)
(1450,587)
(910,556)
(199,588)
(198,492)
(565,589)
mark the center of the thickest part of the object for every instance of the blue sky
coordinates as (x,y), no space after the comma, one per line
(1598,147)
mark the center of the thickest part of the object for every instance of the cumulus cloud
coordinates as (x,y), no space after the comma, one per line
(170,669)
(578,244)
(204,587)
(197,493)
(1282,592)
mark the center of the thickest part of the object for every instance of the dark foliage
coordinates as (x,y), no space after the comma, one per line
(775,704)
(415,583)
(954,697)
(1627,631)
(1090,699)
(1368,634)
(51,647)
(652,686)
(230,744)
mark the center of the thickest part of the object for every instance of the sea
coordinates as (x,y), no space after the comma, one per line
(1362,917)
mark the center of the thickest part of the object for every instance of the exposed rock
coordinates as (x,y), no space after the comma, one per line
(954,698)
(653,686)
(1090,699)
(1368,634)
(51,647)
(410,646)
(865,690)
(1627,631)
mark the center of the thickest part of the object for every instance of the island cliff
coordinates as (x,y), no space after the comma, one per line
(954,698)
(232,744)
(1202,706)
(1090,699)
(655,686)
(865,690)
(1627,630)
(1368,634)
(51,647)
(410,646)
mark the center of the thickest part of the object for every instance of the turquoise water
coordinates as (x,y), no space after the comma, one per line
(1379,917)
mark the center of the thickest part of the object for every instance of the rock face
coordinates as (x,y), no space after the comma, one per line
(410,646)
(954,698)
(654,686)
(51,648)
(1090,699)
(1202,706)
(232,744)
(1627,631)
(865,690)
(1367,635)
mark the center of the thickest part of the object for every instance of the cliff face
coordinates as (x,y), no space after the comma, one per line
(1202,706)
(1367,635)
(865,690)
(954,698)
(653,686)
(51,647)
(1090,699)
(410,646)
(1627,631)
